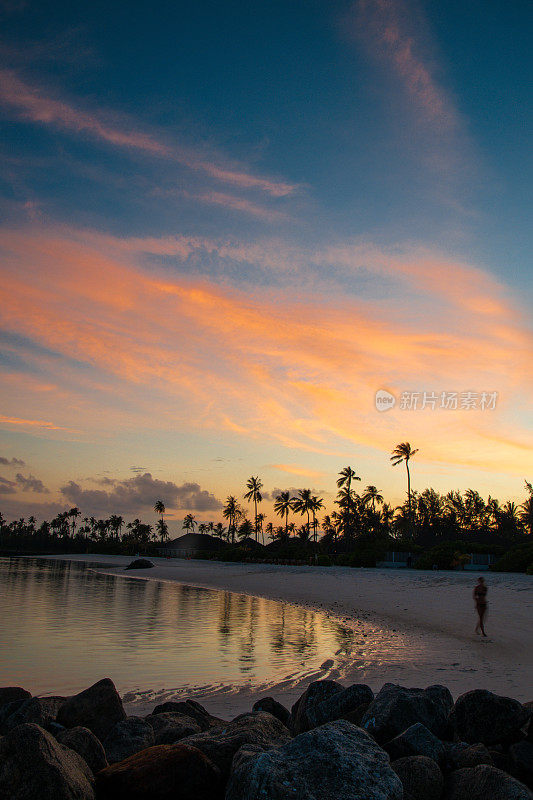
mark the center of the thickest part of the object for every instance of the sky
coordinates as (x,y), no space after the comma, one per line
(224,227)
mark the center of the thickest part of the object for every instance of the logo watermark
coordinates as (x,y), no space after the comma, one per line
(447,401)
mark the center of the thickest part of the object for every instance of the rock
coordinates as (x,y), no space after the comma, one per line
(420,776)
(416,741)
(34,765)
(521,755)
(481,716)
(140,563)
(41,711)
(98,708)
(316,693)
(191,709)
(85,743)
(395,708)
(336,761)
(461,755)
(221,744)
(485,783)
(169,727)
(6,710)
(163,772)
(8,694)
(128,737)
(341,705)
(501,760)
(272,706)
(529,707)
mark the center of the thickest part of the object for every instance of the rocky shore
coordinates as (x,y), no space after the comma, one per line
(336,743)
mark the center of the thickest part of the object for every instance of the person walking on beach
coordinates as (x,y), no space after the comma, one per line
(480,599)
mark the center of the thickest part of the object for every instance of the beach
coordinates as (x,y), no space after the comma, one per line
(411,627)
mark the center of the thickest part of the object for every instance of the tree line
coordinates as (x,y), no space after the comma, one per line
(424,517)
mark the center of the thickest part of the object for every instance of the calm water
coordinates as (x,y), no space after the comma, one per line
(64,625)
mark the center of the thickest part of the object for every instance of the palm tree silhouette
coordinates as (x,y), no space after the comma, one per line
(403,452)
(372,495)
(346,476)
(302,505)
(315,504)
(283,504)
(254,486)
(230,512)
(189,523)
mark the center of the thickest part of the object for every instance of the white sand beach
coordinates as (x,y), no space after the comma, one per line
(413,627)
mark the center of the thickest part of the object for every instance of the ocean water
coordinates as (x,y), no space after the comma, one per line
(65,625)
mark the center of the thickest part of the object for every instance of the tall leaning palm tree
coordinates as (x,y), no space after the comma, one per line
(344,481)
(315,504)
(231,512)
(302,505)
(283,505)
(404,452)
(254,486)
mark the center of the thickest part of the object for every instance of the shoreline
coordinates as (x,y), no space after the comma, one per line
(419,625)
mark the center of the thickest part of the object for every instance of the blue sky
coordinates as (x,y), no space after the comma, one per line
(362,166)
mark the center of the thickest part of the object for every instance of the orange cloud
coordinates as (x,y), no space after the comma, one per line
(295,469)
(179,353)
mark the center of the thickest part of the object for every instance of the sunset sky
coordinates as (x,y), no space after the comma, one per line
(225,226)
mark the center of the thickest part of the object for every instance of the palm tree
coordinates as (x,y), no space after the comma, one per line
(315,504)
(189,523)
(372,495)
(159,508)
(219,530)
(346,476)
(302,505)
(230,512)
(403,452)
(162,529)
(254,486)
(283,504)
(73,514)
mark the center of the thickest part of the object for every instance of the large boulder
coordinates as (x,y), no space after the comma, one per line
(34,765)
(485,783)
(140,563)
(7,710)
(8,694)
(481,716)
(337,761)
(41,711)
(85,744)
(272,706)
(316,693)
(460,755)
(521,755)
(163,772)
(420,776)
(395,708)
(128,737)
(98,708)
(221,744)
(416,741)
(351,703)
(191,709)
(171,726)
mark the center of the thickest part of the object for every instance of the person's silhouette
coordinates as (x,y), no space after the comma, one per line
(480,599)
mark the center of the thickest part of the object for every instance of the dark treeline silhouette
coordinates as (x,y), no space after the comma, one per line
(358,532)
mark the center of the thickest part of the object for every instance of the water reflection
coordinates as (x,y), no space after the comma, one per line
(64,625)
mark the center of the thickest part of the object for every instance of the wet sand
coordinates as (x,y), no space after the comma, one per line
(410,627)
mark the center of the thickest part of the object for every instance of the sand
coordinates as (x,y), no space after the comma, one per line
(414,627)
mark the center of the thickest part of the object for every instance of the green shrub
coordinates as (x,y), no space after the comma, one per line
(517,559)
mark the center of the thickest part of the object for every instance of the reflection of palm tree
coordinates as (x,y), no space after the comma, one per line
(283,504)
(403,452)
(344,481)
(254,486)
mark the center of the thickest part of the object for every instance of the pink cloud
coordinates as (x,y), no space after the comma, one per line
(32,103)
(297,369)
